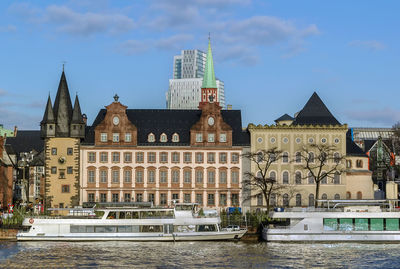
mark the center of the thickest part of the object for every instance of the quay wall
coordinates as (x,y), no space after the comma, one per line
(8,234)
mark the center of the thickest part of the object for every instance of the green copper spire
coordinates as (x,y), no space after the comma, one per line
(209,75)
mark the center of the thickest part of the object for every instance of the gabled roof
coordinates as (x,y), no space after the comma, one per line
(284,117)
(353,150)
(315,113)
(170,121)
(26,141)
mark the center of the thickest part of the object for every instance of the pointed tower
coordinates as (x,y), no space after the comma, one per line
(47,125)
(63,108)
(209,90)
(77,122)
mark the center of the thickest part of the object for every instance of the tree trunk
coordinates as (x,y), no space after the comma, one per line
(267,200)
(316,194)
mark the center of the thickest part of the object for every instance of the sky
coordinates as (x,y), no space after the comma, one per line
(271,55)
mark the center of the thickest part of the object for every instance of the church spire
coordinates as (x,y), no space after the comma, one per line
(77,114)
(48,116)
(62,108)
(209,75)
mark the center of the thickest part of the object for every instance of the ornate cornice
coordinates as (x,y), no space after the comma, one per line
(252,126)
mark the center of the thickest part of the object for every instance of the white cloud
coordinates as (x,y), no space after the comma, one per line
(368,44)
(132,46)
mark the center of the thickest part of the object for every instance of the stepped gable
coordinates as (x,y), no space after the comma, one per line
(170,121)
(315,113)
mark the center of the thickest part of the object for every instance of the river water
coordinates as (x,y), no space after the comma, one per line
(196,255)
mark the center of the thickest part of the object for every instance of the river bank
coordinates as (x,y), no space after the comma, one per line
(8,234)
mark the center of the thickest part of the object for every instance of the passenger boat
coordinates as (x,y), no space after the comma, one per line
(181,223)
(347,220)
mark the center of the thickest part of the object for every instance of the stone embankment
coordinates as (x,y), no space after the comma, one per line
(8,234)
(251,236)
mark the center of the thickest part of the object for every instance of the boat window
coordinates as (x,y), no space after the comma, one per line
(392,224)
(346,224)
(330,224)
(90,229)
(100,229)
(376,225)
(110,229)
(184,228)
(128,215)
(361,224)
(135,215)
(99,214)
(124,229)
(206,228)
(112,215)
(151,228)
(183,207)
(122,215)
(305,227)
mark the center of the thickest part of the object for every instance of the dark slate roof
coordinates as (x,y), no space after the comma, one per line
(284,117)
(369,143)
(315,113)
(48,116)
(26,141)
(170,121)
(38,160)
(352,149)
(77,114)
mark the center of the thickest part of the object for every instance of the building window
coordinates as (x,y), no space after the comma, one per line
(115,197)
(139,197)
(187,157)
(103,197)
(103,137)
(175,197)
(359,163)
(91,197)
(163,157)
(235,199)
(235,157)
(65,188)
(222,176)
(139,176)
(348,163)
(128,157)
(298,178)
(222,157)
(285,177)
(115,176)
(175,157)
(163,198)
(199,198)
(199,157)
(91,157)
(62,173)
(163,176)
(324,196)
(222,199)
(272,176)
(54,170)
(151,157)
(310,179)
(272,199)
(222,138)
(311,199)
(211,137)
(175,176)
(211,199)
(336,178)
(163,138)
(199,137)
(337,196)
(103,157)
(235,177)
(187,198)
(298,157)
(70,151)
(151,176)
(336,157)
(91,176)
(175,138)
(285,200)
(285,157)
(127,197)
(127,176)
(359,195)
(150,198)
(139,157)
(211,177)
(151,138)
(211,157)
(311,157)
(298,199)
(324,179)
(53,151)
(199,176)
(187,176)
(115,137)
(115,157)
(348,195)
(259,199)
(69,170)
(103,176)
(128,137)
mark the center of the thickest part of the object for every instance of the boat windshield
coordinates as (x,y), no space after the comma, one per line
(182,207)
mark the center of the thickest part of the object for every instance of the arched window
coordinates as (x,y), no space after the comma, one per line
(163,138)
(336,178)
(285,157)
(337,196)
(285,177)
(311,157)
(324,196)
(310,179)
(348,195)
(359,163)
(336,157)
(348,163)
(298,157)
(260,199)
(298,178)
(272,199)
(298,199)
(286,200)
(359,195)
(311,200)
(175,138)
(151,137)
(260,157)
(324,179)
(272,175)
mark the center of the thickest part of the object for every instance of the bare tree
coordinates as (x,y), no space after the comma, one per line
(322,162)
(260,179)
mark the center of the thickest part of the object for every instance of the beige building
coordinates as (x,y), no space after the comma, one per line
(314,124)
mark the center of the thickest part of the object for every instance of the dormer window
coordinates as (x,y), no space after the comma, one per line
(103,137)
(128,137)
(199,137)
(222,138)
(175,137)
(211,138)
(151,138)
(115,137)
(163,138)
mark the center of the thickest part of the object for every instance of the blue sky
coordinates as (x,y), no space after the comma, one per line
(272,55)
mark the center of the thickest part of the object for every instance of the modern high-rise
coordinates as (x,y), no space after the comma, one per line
(185,87)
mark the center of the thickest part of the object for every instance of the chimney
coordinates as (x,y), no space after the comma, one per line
(15,131)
